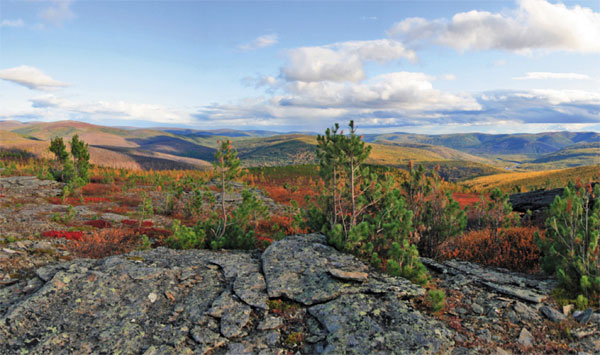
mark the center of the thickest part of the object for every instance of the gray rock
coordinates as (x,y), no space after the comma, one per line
(270,322)
(296,267)
(525,338)
(584,317)
(524,311)
(552,314)
(477,308)
(354,320)
(252,289)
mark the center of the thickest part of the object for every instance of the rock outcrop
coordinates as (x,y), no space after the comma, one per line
(299,295)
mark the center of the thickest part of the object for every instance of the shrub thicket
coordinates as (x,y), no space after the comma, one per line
(361,212)
(570,247)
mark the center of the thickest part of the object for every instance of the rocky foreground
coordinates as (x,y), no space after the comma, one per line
(299,296)
(166,301)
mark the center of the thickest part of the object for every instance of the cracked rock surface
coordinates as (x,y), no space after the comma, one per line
(164,301)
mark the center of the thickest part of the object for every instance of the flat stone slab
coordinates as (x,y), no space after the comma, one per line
(367,324)
(297,268)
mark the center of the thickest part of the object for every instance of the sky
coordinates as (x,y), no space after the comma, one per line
(395,66)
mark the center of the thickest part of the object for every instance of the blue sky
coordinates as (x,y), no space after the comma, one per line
(414,66)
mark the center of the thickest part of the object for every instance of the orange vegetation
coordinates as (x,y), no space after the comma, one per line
(514,249)
(105,243)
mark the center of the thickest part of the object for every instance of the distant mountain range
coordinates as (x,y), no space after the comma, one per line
(459,155)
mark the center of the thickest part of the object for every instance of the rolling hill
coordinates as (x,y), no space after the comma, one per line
(494,145)
(460,156)
(527,181)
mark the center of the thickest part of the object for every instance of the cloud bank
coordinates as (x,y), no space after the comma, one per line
(535,25)
(30,77)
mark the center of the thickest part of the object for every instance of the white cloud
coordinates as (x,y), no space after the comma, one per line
(260,42)
(400,91)
(58,12)
(342,61)
(536,24)
(548,75)
(12,23)
(30,77)
(51,105)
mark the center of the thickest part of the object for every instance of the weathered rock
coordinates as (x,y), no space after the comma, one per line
(349,275)
(568,309)
(252,289)
(552,314)
(296,268)
(510,284)
(363,324)
(533,200)
(270,322)
(176,302)
(585,316)
(524,311)
(525,338)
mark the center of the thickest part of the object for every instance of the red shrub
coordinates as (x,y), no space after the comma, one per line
(93,189)
(105,243)
(95,199)
(514,249)
(118,210)
(147,224)
(130,222)
(98,224)
(63,234)
(466,199)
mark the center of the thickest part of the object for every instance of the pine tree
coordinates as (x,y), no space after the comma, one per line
(227,167)
(81,157)
(570,247)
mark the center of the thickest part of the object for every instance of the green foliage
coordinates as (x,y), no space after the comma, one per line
(58,147)
(359,211)
(570,248)
(145,208)
(240,231)
(436,300)
(81,159)
(66,218)
(74,172)
(227,168)
(185,237)
(436,215)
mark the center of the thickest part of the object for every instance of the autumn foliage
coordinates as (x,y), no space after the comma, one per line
(63,234)
(105,243)
(514,249)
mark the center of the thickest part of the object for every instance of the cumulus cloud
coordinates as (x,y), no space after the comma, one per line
(12,23)
(548,75)
(260,42)
(58,12)
(343,61)
(119,110)
(30,77)
(536,24)
(400,90)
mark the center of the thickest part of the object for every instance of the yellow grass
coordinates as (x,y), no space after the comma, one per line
(535,179)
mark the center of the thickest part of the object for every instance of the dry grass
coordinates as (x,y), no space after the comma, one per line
(536,179)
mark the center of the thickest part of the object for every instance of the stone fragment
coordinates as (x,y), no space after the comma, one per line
(477,308)
(270,322)
(585,316)
(568,309)
(252,289)
(349,275)
(525,338)
(304,277)
(552,314)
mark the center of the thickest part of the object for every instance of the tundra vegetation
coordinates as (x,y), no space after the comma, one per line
(386,216)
